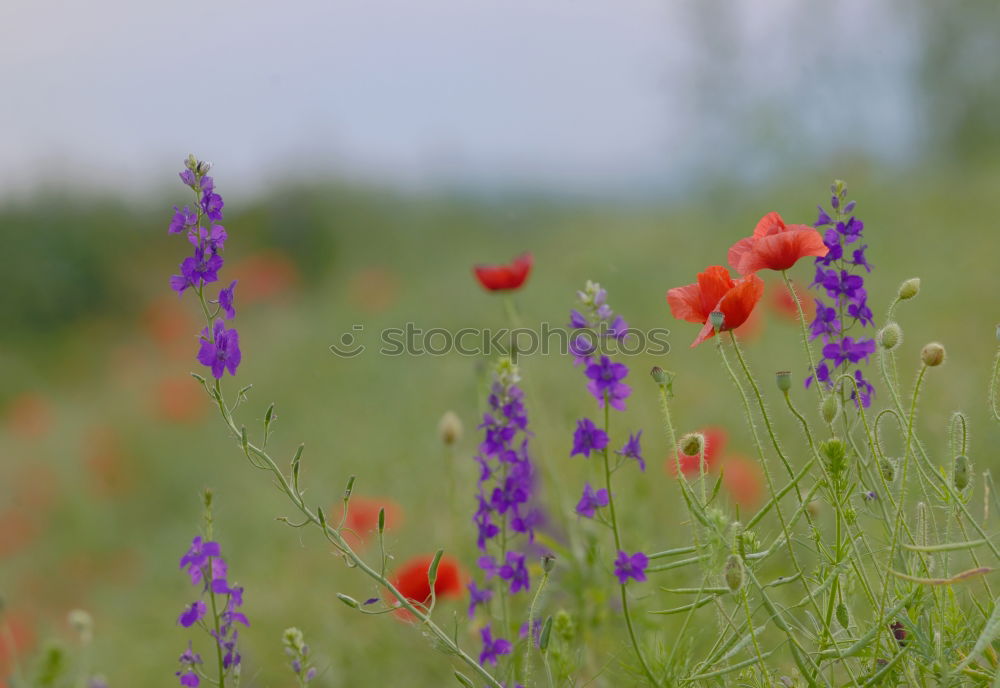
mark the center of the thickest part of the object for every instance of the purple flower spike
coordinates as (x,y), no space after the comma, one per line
(605,382)
(588,438)
(221,352)
(516,572)
(633,567)
(478,596)
(591,501)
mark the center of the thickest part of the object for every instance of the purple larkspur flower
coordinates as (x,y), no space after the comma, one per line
(536,631)
(588,438)
(826,322)
(606,382)
(211,202)
(225,300)
(221,351)
(618,329)
(183,218)
(197,556)
(187,176)
(577,321)
(213,239)
(515,572)
(194,613)
(631,566)
(847,349)
(582,346)
(591,500)
(477,596)
(632,450)
(493,648)
(197,270)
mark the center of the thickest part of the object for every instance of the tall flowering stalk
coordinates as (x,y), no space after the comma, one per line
(504,503)
(839,274)
(594,323)
(217,609)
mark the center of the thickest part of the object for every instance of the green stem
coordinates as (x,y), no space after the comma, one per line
(531,626)
(618,547)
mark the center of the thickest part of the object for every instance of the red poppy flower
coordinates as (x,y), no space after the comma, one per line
(775,246)
(505,277)
(715,290)
(411,580)
(715,443)
(362,517)
(744,480)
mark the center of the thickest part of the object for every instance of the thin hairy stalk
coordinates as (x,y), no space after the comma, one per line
(618,547)
(994,392)
(805,331)
(531,625)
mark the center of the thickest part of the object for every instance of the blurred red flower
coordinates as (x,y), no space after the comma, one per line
(715,290)
(170,325)
(411,580)
(180,400)
(775,246)
(18,528)
(111,471)
(505,277)
(715,443)
(362,517)
(744,480)
(21,633)
(373,289)
(264,276)
(784,305)
(28,416)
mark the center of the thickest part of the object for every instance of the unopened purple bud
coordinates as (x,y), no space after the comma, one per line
(849,208)
(835,202)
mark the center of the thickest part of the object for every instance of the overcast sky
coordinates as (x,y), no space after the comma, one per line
(566,95)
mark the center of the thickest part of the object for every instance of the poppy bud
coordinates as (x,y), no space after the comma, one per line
(717,318)
(548,563)
(450,428)
(888,468)
(814,508)
(659,375)
(909,289)
(960,472)
(692,444)
(890,336)
(734,572)
(830,408)
(932,354)
(784,380)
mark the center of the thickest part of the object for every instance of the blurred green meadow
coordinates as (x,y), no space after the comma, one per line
(107,442)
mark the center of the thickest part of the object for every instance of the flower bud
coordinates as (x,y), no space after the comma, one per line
(717,318)
(348,600)
(692,444)
(659,375)
(784,380)
(888,468)
(890,336)
(202,168)
(830,408)
(842,617)
(960,472)
(548,563)
(932,354)
(450,428)
(734,572)
(909,289)
(191,162)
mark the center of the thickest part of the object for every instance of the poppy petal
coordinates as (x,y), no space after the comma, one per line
(685,303)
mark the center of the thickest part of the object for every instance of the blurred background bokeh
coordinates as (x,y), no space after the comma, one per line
(369,154)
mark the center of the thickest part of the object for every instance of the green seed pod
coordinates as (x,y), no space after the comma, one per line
(734,572)
(450,428)
(932,354)
(464,680)
(888,468)
(718,319)
(842,617)
(960,472)
(830,408)
(890,336)
(909,289)
(348,600)
(692,444)
(784,380)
